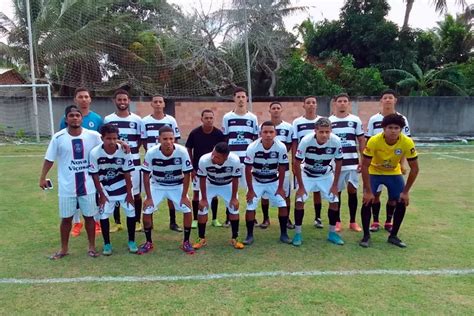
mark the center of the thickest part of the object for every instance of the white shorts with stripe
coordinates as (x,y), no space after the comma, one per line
(269,190)
(320,184)
(195,181)
(286,185)
(159,193)
(109,207)
(69,205)
(348,176)
(224,191)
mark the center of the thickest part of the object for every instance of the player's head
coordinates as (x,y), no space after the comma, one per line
(267,131)
(220,153)
(240,97)
(207,118)
(73,116)
(275,110)
(310,104)
(166,138)
(388,99)
(122,99)
(322,128)
(82,98)
(342,104)
(158,102)
(392,125)
(110,134)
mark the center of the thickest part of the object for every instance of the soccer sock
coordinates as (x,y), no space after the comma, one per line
(299,214)
(172,216)
(265,208)
(390,210)
(339,207)
(148,234)
(398,218)
(214,204)
(250,225)
(117,214)
(376,211)
(202,230)
(352,201)
(187,232)
(283,221)
(332,216)
(131,228)
(365,217)
(235,228)
(105,227)
(138,210)
(227,215)
(317,211)
(195,209)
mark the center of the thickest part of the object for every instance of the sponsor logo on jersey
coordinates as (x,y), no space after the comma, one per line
(77,148)
(188,163)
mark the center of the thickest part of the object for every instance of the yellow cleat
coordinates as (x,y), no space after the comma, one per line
(138,227)
(200,243)
(237,244)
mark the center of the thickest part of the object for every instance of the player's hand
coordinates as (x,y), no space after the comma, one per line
(404,169)
(334,190)
(300,192)
(102,200)
(250,196)
(185,201)
(405,198)
(125,147)
(129,199)
(193,175)
(148,203)
(234,203)
(43,184)
(281,192)
(359,168)
(367,198)
(203,204)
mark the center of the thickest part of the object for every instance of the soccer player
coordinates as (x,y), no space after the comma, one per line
(71,147)
(129,125)
(348,128)
(110,168)
(388,101)
(266,161)
(302,126)
(240,127)
(381,166)
(166,174)
(151,125)
(201,141)
(318,150)
(219,173)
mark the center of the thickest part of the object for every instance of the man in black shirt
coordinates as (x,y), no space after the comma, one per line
(201,141)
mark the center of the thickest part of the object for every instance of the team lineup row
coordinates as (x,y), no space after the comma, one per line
(326,156)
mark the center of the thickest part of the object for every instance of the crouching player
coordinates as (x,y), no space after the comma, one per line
(266,159)
(318,149)
(166,173)
(110,168)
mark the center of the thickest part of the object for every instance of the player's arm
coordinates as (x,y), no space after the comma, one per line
(248,177)
(368,196)
(337,174)
(184,194)
(125,146)
(235,188)
(102,197)
(146,183)
(190,153)
(281,180)
(128,185)
(297,172)
(203,188)
(361,145)
(47,165)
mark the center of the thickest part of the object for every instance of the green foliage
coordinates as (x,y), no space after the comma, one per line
(456,40)
(467,70)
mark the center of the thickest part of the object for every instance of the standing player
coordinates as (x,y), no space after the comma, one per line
(128,125)
(240,127)
(166,175)
(151,125)
(201,141)
(302,126)
(348,128)
(381,166)
(388,100)
(71,147)
(266,160)
(318,150)
(219,172)
(110,168)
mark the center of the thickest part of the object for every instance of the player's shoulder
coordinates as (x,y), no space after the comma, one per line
(180,148)
(110,117)
(308,137)
(253,145)
(333,118)
(233,158)
(376,117)
(298,120)
(206,158)
(406,140)
(280,145)
(90,133)
(251,115)
(96,151)
(135,117)
(334,138)
(195,131)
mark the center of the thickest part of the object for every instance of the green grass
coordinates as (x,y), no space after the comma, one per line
(437,228)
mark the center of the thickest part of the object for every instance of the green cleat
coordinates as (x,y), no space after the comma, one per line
(107,251)
(194,224)
(216,223)
(297,240)
(132,247)
(335,238)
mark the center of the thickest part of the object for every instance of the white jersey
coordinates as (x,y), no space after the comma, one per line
(241,130)
(72,155)
(302,126)
(220,174)
(265,162)
(129,131)
(348,129)
(111,169)
(151,126)
(317,158)
(375,125)
(167,170)
(284,132)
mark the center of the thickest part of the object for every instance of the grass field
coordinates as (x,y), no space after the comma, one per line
(437,229)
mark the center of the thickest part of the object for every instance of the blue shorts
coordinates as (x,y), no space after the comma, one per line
(394,183)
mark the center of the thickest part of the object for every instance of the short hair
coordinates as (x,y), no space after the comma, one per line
(206,111)
(322,122)
(275,102)
(121,91)
(341,95)
(81,89)
(71,108)
(157,96)
(240,89)
(388,91)
(394,118)
(267,123)
(165,129)
(222,148)
(108,129)
(308,97)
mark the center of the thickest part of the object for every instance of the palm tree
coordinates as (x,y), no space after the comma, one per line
(440,6)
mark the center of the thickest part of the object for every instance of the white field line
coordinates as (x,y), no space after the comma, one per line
(263,274)
(20,156)
(453,157)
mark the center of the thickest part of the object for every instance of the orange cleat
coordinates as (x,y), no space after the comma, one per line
(76,229)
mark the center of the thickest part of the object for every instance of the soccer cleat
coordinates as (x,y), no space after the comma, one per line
(394,240)
(335,238)
(265,224)
(216,223)
(226,224)
(107,251)
(237,244)
(297,240)
(375,227)
(194,224)
(97,228)
(365,242)
(201,242)
(255,223)
(145,248)
(388,226)
(187,248)
(355,227)
(132,247)
(290,225)
(138,227)
(248,241)
(285,239)
(338,226)
(76,229)
(175,227)
(116,228)
(318,223)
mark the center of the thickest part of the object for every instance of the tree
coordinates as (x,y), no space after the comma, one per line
(455,39)
(440,6)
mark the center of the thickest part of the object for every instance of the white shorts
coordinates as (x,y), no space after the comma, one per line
(68,205)
(196,184)
(224,191)
(320,184)
(110,206)
(159,193)
(268,189)
(136,176)
(286,185)
(348,176)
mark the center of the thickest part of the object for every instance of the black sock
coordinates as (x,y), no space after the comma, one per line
(187,232)
(332,216)
(250,225)
(398,218)
(138,210)
(365,218)
(317,211)
(214,205)
(376,211)
(338,208)
(265,208)
(227,215)
(131,228)
(148,234)
(390,210)
(195,209)
(283,221)
(105,227)
(299,214)
(352,201)
(172,216)
(202,230)
(235,228)
(117,213)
